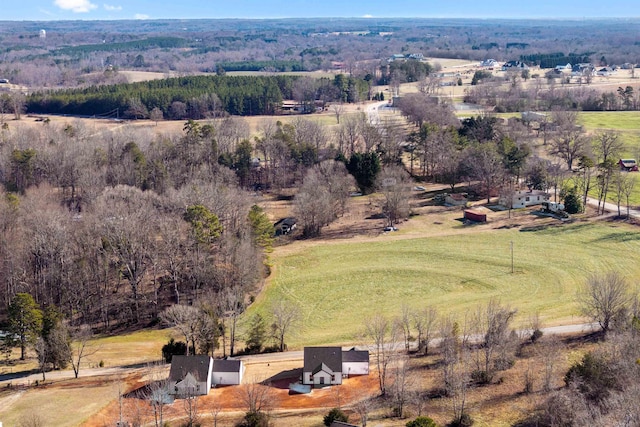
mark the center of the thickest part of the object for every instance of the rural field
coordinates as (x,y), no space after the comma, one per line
(435,260)
(357,271)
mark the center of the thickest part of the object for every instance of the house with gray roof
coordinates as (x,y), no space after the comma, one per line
(322,366)
(328,365)
(190,376)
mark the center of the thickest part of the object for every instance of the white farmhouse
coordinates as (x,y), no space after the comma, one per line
(523,199)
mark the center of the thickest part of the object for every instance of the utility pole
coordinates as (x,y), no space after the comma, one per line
(511,256)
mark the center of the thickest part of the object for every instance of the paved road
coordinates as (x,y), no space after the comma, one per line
(19,378)
(372,111)
(612,208)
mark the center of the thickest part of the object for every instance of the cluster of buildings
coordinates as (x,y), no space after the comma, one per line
(191,376)
(577,70)
(405,57)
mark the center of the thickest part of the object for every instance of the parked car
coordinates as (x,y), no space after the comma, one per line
(390,228)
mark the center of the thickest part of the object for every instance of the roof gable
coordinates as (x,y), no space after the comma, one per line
(323,368)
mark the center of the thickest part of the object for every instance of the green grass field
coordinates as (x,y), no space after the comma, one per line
(339,285)
(625,123)
(614,120)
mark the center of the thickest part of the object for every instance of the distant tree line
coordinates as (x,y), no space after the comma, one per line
(134,45)
(196,97)
(278,66)
(238,95)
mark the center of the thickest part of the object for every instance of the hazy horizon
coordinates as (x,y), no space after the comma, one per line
(54,10)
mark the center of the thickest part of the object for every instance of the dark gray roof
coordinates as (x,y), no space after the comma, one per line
(226,365)
(289,221)
(198,366)
(316,356)
(342,424)
(354,355)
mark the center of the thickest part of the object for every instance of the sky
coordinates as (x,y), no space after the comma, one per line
(47,10)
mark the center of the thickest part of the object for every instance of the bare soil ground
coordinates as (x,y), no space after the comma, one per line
(501,403)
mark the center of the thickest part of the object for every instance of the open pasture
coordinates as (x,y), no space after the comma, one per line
(340,284)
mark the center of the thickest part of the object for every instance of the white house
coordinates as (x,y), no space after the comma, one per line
(190,376)
(489,63)
(522,199)
(322,366)
(355,362)
(227,372)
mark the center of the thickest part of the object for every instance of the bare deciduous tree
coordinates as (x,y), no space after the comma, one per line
(156,115)
(185,319)
(286,315)
(604,297)
(402,381)
(338,109)
(425,322)
(322,196)
(627,186)
(257,397)
(396,188)
(384,336)
(403,323)
(570,141)
(81,347)
(158,392)
(549,350)
(492,324)
(363,408)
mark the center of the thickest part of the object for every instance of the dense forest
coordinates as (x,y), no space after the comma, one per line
(197,97)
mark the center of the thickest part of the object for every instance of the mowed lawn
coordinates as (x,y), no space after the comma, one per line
(339,285)
(625,123)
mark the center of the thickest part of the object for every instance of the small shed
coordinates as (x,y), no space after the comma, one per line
(227,372)
(285,226)
(475,216)
(629,165)
(456,199)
